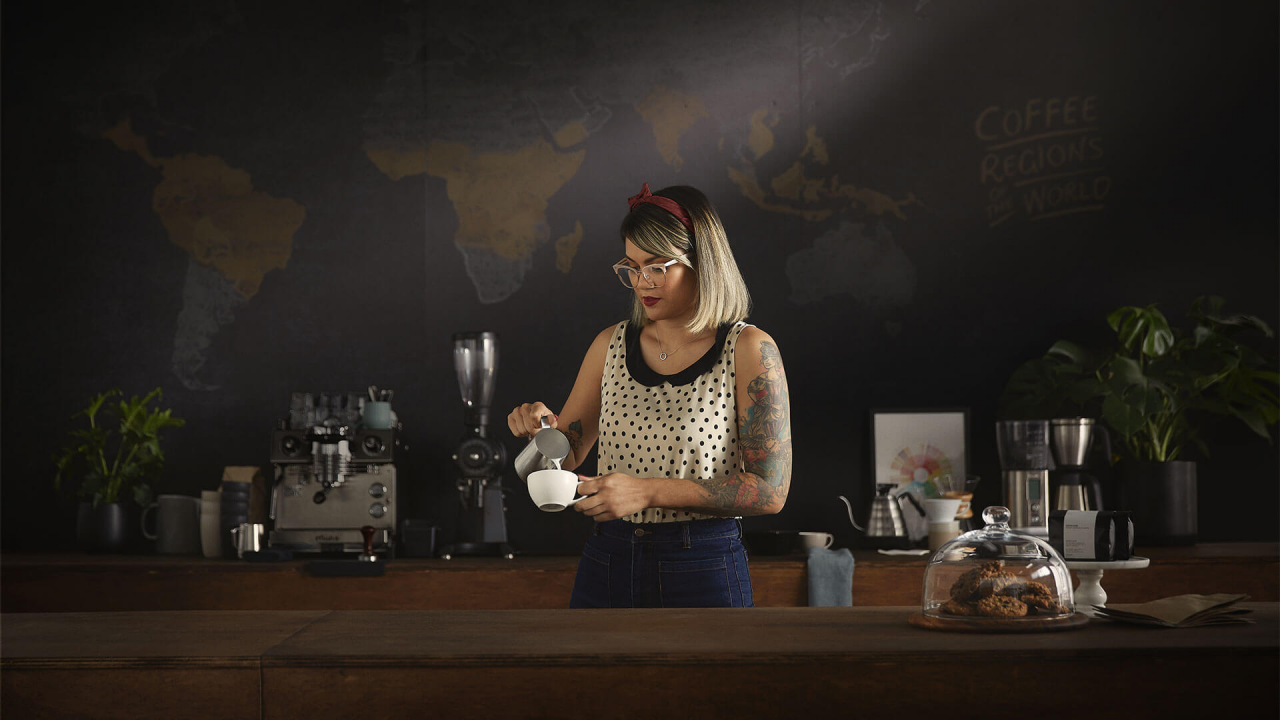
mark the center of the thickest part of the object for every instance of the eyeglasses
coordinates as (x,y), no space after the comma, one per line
(655,274)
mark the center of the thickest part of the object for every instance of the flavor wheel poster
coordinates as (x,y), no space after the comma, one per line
(912,449)
(921,464)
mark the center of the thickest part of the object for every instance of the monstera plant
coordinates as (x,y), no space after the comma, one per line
(1155,389)
(1159,383)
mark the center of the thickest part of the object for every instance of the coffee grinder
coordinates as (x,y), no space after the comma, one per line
(1073,486)
(482,529)
(1024,469)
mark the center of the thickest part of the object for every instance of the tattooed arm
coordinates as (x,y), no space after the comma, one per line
(580,417)
(764,433)
(763,410)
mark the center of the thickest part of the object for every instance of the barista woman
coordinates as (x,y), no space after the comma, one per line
(689,405)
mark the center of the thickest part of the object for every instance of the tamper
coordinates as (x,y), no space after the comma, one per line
(367,555)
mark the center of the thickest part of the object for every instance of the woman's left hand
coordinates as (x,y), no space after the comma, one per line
(612,496)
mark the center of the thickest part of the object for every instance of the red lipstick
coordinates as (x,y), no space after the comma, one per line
(649,301)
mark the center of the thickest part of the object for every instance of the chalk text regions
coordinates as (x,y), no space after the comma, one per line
(1046,156)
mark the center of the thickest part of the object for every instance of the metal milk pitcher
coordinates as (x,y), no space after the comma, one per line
(545,450)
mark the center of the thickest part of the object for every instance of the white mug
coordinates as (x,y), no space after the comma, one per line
(816,539)
(553,490)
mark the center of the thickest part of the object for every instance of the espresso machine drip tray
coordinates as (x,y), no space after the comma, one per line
(333,540)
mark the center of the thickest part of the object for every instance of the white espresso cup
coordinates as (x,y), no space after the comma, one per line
(553,490)
(816,539)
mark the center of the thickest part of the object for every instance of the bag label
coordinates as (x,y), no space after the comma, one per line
(1078,535)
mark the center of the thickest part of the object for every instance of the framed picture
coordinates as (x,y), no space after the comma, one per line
(911,448)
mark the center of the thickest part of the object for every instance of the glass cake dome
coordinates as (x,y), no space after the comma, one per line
(994,573)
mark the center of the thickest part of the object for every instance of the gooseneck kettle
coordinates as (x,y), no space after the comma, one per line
(886,527)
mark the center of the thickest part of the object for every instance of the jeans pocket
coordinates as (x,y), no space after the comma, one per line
(694,583)
(591,586)
(742,567)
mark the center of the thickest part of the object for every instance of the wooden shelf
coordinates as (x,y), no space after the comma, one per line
(75,582)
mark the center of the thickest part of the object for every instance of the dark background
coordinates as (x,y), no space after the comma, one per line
(933,308)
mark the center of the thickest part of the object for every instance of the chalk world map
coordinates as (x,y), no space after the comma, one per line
(505,115)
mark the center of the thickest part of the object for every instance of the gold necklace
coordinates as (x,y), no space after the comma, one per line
(664,355)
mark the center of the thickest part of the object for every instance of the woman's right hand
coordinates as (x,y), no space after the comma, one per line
(525,421)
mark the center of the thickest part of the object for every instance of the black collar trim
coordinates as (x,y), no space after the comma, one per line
(648,377)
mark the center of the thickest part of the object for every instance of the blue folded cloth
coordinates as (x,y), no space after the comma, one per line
(830,577)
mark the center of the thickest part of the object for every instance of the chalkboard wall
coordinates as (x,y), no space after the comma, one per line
(237,201)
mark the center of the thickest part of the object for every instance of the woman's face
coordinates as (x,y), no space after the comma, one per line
(676,297)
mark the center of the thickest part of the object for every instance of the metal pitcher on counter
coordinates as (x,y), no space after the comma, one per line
(886,527)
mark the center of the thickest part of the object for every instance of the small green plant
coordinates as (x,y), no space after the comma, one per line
(119,452)
(1158,381)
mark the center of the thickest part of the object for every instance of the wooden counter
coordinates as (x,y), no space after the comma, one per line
(864,662)
(76,582)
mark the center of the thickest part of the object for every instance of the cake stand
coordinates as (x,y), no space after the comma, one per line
(1090,592)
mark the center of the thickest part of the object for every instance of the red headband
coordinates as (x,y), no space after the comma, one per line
(667,204)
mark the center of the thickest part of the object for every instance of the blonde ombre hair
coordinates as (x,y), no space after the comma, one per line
(722,294)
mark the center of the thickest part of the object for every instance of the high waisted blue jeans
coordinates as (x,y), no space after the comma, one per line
(700,563)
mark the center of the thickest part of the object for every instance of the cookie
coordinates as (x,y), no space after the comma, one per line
(996,584)
(1044,603)
(1035,588)
(1030,588)
(1014,590)
(1001,606)
(966,586)
(958,608)
(1053,609)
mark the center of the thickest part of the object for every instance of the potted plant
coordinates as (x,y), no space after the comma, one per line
(112,461)
(1153,390)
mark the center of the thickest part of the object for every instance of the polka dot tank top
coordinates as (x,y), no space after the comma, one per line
(682,425)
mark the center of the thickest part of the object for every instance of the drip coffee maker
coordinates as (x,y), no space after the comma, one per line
(1024,471)
(480,458)
(954,487)
(1074,487)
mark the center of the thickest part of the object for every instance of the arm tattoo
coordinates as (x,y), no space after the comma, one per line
(574,433)
(764,437)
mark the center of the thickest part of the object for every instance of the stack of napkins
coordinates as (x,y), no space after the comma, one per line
(1182,611)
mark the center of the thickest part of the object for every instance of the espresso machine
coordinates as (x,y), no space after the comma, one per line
(1073,486)
(333,476)
(1024,469)
(480,458)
